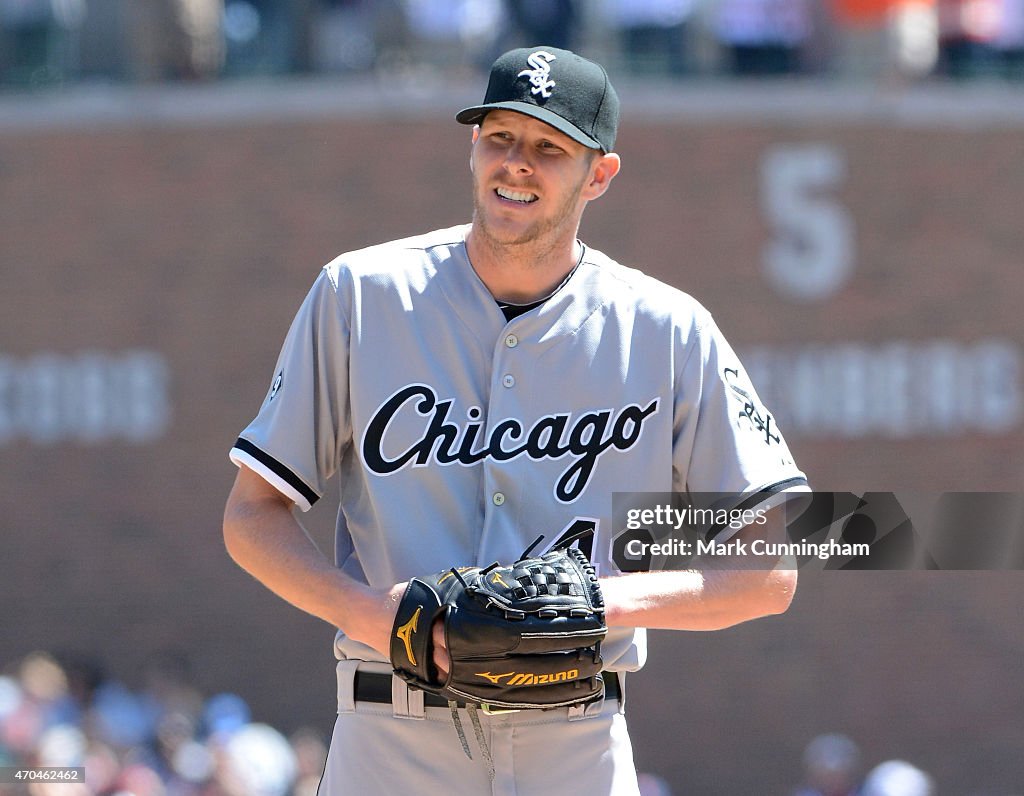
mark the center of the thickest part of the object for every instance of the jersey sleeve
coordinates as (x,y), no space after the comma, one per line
(303,425)
(725,440)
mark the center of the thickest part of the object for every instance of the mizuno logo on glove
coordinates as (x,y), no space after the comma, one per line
(525,678)
(405,634)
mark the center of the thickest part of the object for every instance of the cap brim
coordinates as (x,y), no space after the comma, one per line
(475,114)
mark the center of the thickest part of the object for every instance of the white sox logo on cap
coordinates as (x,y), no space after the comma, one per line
(580,102)
(540,75)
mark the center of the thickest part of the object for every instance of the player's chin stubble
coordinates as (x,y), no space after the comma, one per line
(536,232)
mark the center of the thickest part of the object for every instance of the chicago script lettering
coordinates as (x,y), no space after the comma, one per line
(554,437)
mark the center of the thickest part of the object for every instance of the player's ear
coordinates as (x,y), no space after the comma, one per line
(476,135)
(603,170)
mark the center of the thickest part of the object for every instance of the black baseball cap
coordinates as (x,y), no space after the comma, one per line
(558,87)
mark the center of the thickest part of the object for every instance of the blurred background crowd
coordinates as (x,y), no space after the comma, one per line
(165,738)
(161,738)
(54,42)
(833,767)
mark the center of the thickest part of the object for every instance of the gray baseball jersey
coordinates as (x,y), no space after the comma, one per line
(460,436)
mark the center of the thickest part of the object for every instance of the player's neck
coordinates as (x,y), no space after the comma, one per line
(523,272)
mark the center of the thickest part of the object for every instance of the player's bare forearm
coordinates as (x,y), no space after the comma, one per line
(265,539)
(718,595)
(696,600)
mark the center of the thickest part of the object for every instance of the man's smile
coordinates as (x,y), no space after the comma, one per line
(522,197)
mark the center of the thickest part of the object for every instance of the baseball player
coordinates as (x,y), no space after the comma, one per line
(476,387)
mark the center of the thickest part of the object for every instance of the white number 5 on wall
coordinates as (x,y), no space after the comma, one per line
(810,255)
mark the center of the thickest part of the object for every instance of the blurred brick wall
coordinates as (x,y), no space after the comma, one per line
(197,244)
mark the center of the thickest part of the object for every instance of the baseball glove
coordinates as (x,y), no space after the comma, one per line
(525,635)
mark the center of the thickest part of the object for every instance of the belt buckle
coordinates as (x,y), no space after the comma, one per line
(490,710)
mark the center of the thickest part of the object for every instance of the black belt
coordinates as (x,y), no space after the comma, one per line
(376,687)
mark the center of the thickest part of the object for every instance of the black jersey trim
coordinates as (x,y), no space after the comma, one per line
(756,498)
(278,469)
(513,311)
(777,487)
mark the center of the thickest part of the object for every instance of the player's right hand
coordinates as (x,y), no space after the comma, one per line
(371,615)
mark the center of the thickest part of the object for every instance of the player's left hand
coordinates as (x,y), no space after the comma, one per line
(522,635)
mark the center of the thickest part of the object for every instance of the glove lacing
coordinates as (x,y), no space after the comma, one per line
(471,707)
(478,730)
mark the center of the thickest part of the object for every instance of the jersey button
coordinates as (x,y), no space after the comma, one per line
(508,380)
(511,341)
(498,498)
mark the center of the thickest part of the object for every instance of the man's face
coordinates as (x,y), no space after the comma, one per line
(530,182)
